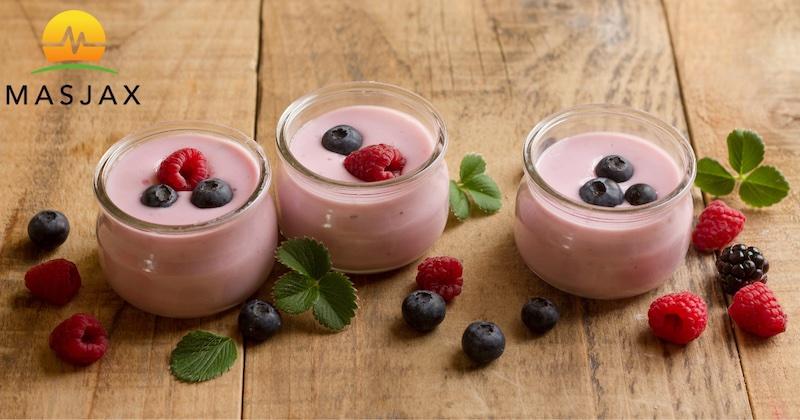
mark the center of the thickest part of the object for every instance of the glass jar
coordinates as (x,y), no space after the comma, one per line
(368,227)
(191,270)
(603,252)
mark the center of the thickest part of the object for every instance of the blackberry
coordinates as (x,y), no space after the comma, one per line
(739,265)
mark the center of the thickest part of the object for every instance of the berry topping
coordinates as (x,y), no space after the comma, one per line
(79,340)
(423,310)
(539,315)
(342,139)
(258,320)
(212,193)
(441,275)
(739,265)
(615,168)
(483,341)
(756,310)
(601,192)
(48,229)
(717,226)
(183,169)
(378,162)
(678,317)
(161,195)
(638,194)
(55,282)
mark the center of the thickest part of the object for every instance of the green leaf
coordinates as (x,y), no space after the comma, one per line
(305,256)
(472,164)
(295,293)
(745,150)
(201,355)
(336,305)
(764,187)
(484,193)
(713,178)
(459,204)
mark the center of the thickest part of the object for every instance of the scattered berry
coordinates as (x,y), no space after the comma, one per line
(717,226)
(423,310)
(183,169)
(739,265)
(602,192)
(483,341)
(615,168)
(80,340)
(161,195)
(756,310)
(540,315)
(48,229)
(639,194)
(342,139)
(258,320)
(55,282)
(378,162)
(212,193)
(441,275)
(678,317)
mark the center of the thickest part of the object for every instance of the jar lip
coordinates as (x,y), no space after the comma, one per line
(362,87)
(536,136)
(175,127)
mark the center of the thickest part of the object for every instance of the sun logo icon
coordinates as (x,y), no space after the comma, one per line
(70,39)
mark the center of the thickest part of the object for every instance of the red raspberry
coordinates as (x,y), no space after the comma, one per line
(55,281)
(378,162)
(717,226)
(183,169)
(441,275)
(756,310)
(678,317)
(79,339)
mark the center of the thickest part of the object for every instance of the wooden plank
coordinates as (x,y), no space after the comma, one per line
(493,69)
(193,60)
(739,63)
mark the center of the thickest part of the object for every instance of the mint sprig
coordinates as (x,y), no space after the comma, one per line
(474,187)
(759,186)
(202,355)
(312,285)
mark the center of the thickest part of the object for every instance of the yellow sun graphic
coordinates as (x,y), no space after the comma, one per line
(72,36)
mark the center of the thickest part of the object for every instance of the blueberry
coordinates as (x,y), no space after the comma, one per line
(342,139)
(161,195)
(638,194)
(48,229)
(601,192)
(614,167)
(258,320)
(423,310)
(211,193)
(539,315)
(483,341)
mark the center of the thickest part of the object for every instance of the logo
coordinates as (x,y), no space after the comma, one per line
(70,39)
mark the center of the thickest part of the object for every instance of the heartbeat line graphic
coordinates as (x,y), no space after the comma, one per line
(74,44)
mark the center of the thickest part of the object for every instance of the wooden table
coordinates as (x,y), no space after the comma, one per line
(493,69)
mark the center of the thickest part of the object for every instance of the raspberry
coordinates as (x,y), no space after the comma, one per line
(79,339)
(183,169)
(756,310)
(718,226)
(678,317)
(55,281)
(378,162)
(739,265)
(441,275)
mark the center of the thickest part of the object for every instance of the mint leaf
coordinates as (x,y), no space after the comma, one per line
(713,178)
(764,186)
(459,204)
(336,305)
(473,187)
(745,150)
(295,293)
(472,164)
(484,193)
(201,355)
(305,256)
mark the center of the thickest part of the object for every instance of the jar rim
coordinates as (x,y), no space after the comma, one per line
(161,129)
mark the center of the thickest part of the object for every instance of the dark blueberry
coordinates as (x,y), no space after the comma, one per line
(48,229)
(211,193)
(258,320)
(602,192)
(638,194)
(539,315)
(614,167)
(739,265)
(423,310)
(483,341)
(161,195)
(342,139)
